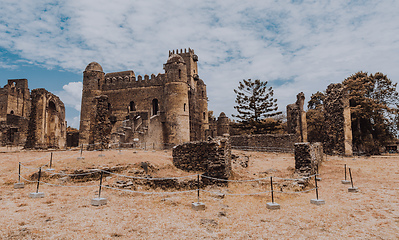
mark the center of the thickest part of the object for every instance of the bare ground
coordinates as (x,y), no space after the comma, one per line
(66,213)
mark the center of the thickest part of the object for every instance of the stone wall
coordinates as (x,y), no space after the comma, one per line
(338,139)
(308,157)
(211,157)
(265,142)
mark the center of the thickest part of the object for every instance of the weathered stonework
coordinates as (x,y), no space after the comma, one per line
(265,142)
(337,116)
(32,119)
(47,126)
(159,111)
(211,157)
(308,158)
(218,127)
(296,118)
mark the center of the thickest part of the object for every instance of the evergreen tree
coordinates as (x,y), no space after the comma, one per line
(255,103)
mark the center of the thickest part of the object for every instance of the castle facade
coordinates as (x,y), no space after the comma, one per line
(158,111)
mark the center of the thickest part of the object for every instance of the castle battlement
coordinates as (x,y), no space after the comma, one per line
(190,51)
(127,79)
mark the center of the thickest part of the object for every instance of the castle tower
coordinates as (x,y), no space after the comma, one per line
(93,80)
(177,111)
(223,124)
(198,99)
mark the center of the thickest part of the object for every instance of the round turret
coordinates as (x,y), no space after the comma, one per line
(175,58)
(93,66)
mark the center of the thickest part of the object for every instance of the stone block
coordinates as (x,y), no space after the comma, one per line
(353,189)
(36,195)
(272,206)
(80,158)
(198,206)
(98,201)
(19,185)
(317,201)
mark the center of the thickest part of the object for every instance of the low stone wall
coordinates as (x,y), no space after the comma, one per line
(265,142)
(308,157)
(211,157)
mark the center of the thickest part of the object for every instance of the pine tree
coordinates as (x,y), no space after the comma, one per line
(255,103)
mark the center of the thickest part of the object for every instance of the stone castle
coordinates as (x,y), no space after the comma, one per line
(32,119)
(160,111)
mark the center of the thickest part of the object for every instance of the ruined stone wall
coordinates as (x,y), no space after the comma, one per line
(296,118)
(47,126)
(101,125)
(338,138)
(308,158)
(14,99)
(265,142)
(211,157)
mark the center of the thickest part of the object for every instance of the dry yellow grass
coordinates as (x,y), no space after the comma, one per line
(66,213)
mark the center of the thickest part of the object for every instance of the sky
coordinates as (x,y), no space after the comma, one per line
(296,46)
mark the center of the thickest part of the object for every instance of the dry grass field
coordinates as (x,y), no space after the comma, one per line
(66,213)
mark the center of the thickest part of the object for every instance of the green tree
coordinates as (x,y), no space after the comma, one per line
(255,103)
(374,108)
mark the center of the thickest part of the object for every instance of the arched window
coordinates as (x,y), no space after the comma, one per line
(109,106)
(154,106)
(12,112)
(179,73)
(132,106)
(184,107)
(203,114)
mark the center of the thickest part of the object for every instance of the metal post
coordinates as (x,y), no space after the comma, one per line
(198,186)
(101,182)
(81,150)
(345,172)
(271,186)
(317,189)
(350,174)
(19,172)
(38,180)
(51,160)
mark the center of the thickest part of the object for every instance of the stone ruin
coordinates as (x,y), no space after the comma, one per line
(338,139)
(33,119)
(308,157)
(296,118)
(211,157)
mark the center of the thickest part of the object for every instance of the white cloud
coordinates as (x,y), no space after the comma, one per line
(71,95)
(296,46)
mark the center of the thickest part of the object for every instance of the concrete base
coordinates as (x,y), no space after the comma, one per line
(272,206)
(198,206)
(50,169)
(101,155)
(36,195)
(353,189)
(19,185)
(318,179)
(98,201)
(153,150)
(317,201)
(80,158)
(345,182)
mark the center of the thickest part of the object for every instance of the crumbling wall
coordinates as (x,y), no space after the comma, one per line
(338,139)
(100,130)
(265,142)
(308,157)
(212,157)
(296,118)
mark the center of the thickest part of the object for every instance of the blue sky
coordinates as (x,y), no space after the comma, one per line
(294,45)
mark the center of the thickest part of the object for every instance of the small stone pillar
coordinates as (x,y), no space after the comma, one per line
(308,157)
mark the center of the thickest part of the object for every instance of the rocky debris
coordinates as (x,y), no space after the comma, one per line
(240,160)
(209,222)
(212,157)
